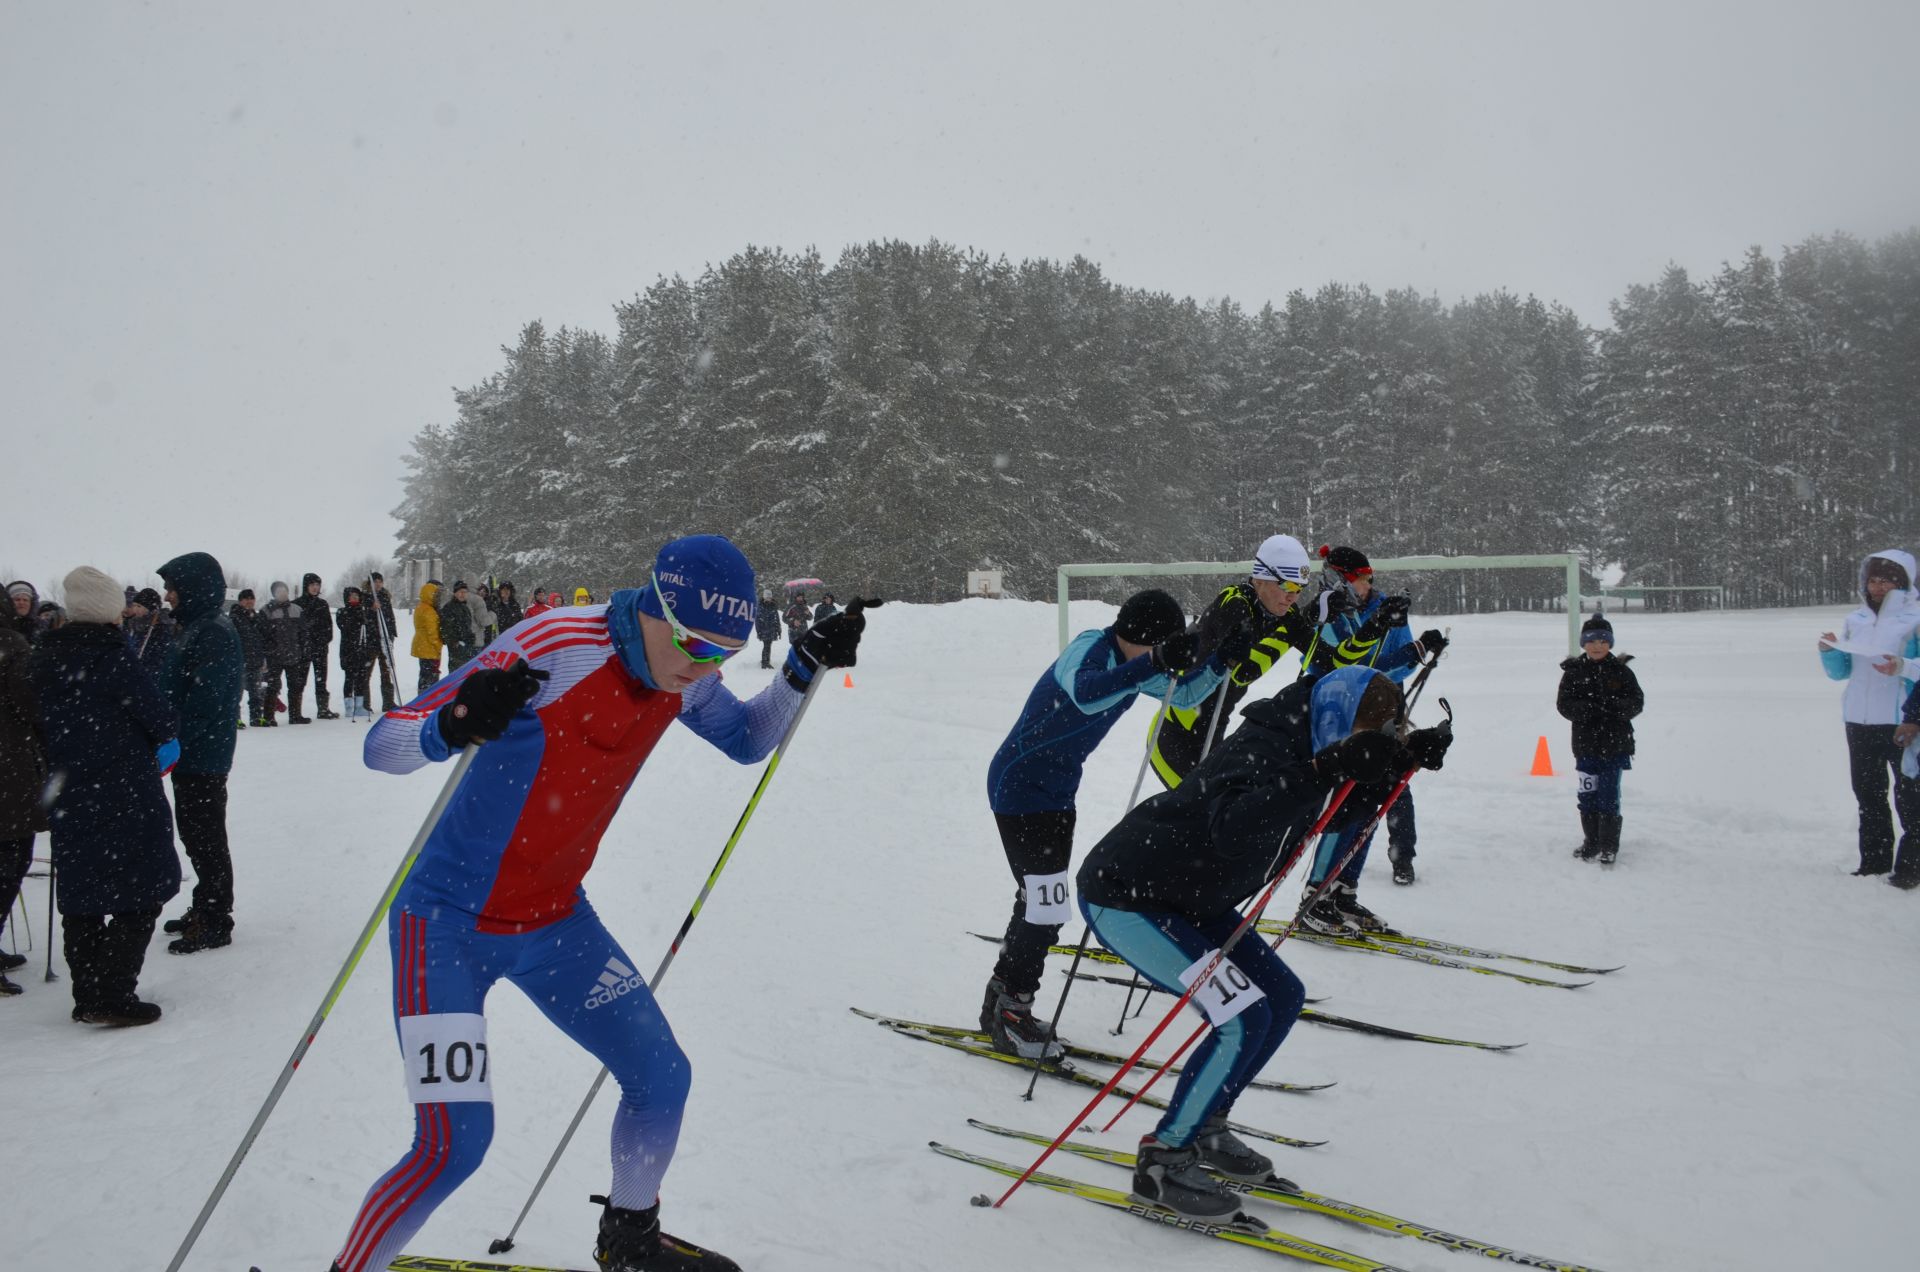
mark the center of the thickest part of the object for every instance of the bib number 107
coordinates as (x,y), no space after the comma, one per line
(1225,991)
(446,1058)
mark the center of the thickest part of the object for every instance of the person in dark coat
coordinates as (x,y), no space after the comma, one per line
(316,623)
(825,610)
(286,639)
(149,628)
(22,612)
(253,658)
(23,775)
(202,681)
(109,735)
(359,649)
(457,629)
(506,608)
(799,617)
(766,625)
(1601,695)
(387,634)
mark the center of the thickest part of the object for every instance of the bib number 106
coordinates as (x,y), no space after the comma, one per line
(446,1058)
(1225,991)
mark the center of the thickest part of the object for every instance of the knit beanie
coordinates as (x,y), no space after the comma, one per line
(1149,617)
(148,598)
(1282,559)
(708,584)
(93,597)
(21,589)
(246,594)
(1596,628)
(1348,563)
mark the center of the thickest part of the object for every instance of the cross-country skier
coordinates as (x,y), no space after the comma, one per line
(1370,631)
(1035,775)
(1261,615)
(1160,890)
(567,707)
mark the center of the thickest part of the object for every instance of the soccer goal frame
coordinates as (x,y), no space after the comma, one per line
(1565,561)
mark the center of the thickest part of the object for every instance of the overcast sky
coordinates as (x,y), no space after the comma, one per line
(249,248)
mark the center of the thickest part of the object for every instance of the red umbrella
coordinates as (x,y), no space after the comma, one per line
(792,583)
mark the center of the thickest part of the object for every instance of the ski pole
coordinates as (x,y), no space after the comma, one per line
(374,921)
(51,880)
(1245,925)
(502,1244)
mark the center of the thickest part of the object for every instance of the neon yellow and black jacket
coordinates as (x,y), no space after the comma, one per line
(1183,730)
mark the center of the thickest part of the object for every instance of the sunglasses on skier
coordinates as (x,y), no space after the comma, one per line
(1273,575)
(698,648)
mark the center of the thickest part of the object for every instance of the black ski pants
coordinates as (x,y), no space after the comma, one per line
(105,953)
(15,856)
(1875,760)
(1400,829)
(1035,844)
(200,812)
(429,674)
(259,701)
(766,651)
(318,660)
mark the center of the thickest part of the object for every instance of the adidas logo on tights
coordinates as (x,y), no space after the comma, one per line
(617,981)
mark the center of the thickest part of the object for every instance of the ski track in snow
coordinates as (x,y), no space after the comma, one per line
(1737,1097)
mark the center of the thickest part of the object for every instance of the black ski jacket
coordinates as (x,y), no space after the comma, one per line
(359,639)
(1601,697)
(318,617)
(1211,842)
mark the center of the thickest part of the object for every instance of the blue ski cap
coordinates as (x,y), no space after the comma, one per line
(1336,700)
(709,584)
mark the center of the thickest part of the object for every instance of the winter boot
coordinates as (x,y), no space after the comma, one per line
(1609,825)
(1224,1153)
(7,988)
(10,961)
(325,712)
(1402,867)
(293,710)
(1008,1019)
(1347,901)
(1324,917)
(203,932)
(631,1241)
(1589,836)
(181,924)
(1172,1178)
(124,1012)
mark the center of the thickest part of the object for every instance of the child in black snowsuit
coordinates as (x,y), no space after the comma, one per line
(1601,695)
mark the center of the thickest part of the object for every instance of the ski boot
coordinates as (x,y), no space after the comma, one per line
(631,1241)
(1347,902)
(1008,1020)
(1324,917)
(1402,868)
(1224,1153)
(9,962)
(1172,1179)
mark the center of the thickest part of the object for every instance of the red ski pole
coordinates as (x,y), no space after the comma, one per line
(1333,806)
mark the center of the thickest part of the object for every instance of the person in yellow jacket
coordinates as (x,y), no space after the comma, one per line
(582,597)
(1253,624)
(426,634)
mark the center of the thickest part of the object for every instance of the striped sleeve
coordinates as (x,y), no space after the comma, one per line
(569,647)
(746,731)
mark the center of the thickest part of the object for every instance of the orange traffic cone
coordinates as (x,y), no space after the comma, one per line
(1542,763)
(849,684)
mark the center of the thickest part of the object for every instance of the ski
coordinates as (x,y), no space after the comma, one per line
(1065,1072)
(427,1263)
(1244,1230)
(1073,1049)
(1314,1202)
(1366,946)
(1469,951)
(1342,1022)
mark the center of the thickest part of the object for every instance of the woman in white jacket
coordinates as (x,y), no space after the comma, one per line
(1886,627)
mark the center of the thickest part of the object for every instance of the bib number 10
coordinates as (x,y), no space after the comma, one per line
(1225,992)
(446,1057)
(1049,898)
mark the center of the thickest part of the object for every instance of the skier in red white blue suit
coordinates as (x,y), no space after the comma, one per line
(566,707)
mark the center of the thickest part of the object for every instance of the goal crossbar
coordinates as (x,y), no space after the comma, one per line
(1567,561)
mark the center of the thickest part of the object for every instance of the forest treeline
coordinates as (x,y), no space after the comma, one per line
(910,413)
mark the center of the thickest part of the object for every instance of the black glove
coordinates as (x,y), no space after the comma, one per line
(1235,646)
(1360,758)
(1176,653)
(1394,609)
(487,701)
(1224,630)
(1431,642)
(1331,604)
(1428,747)
(1391,614)
(833,642)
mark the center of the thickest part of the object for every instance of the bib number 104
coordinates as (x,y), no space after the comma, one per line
(1049,898)
(446,1058)
(1224,992)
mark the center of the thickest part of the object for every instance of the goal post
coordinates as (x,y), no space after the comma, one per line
(1568,562)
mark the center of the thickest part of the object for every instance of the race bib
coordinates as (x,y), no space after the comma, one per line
(1049,898)
(1589,782)
(1225,993)
(446,1058)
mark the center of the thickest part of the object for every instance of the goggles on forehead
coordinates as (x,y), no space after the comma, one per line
(698,648)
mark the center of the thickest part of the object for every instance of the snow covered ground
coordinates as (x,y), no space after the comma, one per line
(1740,1096)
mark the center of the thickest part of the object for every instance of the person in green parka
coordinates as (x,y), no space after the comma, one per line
(202,679)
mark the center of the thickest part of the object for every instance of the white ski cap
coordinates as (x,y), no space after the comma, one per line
(1283,559)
